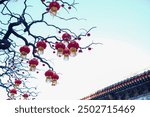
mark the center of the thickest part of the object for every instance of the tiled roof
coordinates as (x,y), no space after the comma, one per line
(122,85)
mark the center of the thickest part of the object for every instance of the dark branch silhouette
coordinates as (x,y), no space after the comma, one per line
(16,27)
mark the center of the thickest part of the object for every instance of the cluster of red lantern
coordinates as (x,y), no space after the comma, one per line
(52,77)
(33,63)
(53,7)
(41,45)
(24,50)
(67,47)
(13,91)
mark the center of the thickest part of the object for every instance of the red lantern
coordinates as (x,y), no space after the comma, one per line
(55,77)
(25,96)
(60,47)
(54,7)
(66,37)
(24,50)
(17,83)
(41,45)
(66,53)
(48,74)
(13,92)
(73,47)
(33,63)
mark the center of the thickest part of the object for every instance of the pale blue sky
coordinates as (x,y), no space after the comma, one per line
(124,20)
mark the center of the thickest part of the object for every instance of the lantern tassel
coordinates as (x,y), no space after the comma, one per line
(54,82)
(66,57)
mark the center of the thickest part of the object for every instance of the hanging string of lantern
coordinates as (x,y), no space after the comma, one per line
(66,47)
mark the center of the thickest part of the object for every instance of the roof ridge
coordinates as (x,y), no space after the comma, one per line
(142,77)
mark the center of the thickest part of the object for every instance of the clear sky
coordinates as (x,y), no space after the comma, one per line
(124,20)
(123,26)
